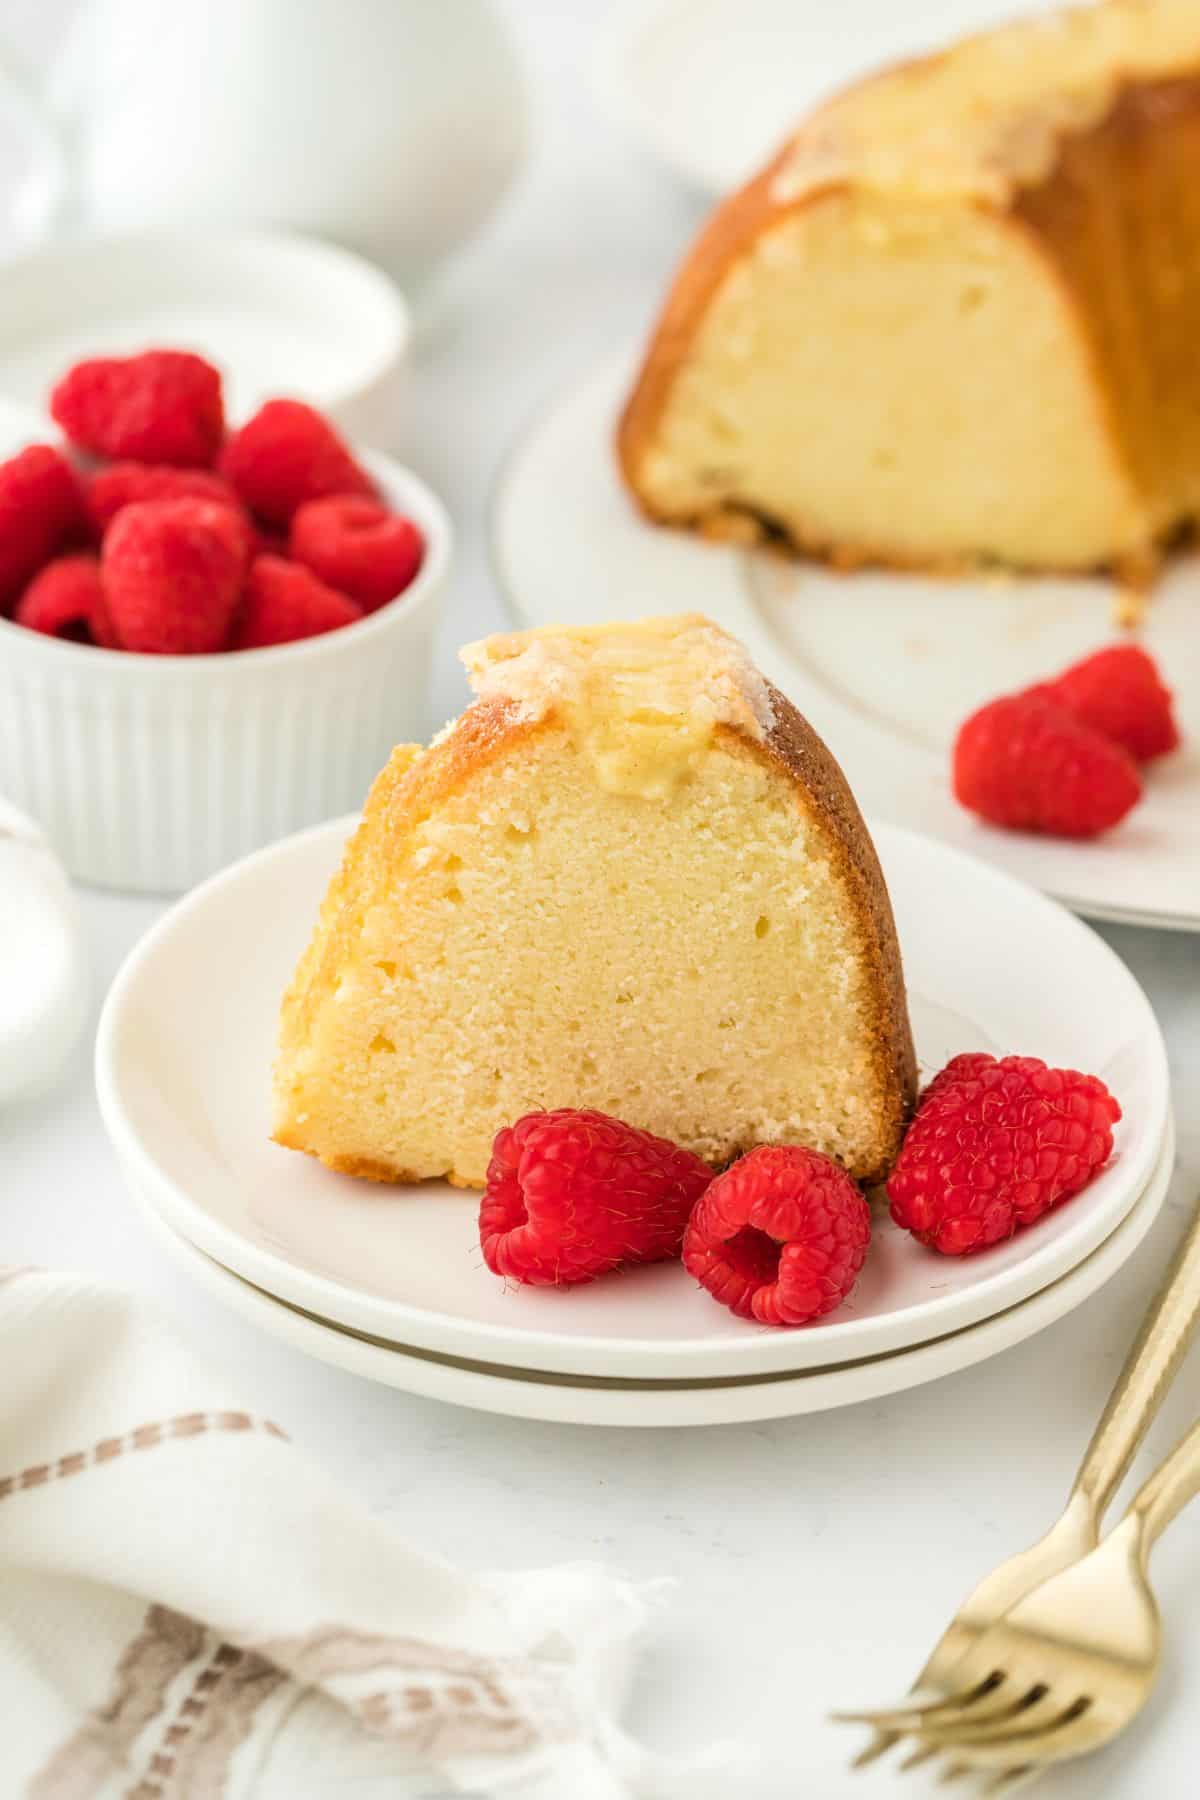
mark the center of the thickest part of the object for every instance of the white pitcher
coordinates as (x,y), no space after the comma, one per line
(392,126)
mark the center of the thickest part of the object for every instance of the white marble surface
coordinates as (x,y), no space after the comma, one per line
(815,1559)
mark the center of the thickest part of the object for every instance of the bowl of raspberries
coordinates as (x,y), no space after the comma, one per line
(210,635)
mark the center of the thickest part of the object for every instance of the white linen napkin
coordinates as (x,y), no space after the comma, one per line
(191,1610)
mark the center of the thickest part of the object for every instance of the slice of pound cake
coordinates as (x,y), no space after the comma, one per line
(955,321)
(629,877)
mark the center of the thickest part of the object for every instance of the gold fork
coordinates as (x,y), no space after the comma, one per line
(1160,1346)
(1071,1664)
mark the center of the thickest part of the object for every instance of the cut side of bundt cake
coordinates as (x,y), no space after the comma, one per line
(629,877)
(954,322)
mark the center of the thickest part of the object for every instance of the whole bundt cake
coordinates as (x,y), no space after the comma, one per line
(955,320)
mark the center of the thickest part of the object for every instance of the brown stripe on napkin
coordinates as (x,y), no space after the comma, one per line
(435,1700)
(185,1748)
(212,1722)
(100,1749)
(142,1437)
(430,1698)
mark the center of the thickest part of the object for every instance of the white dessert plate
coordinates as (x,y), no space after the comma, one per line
(526,1394)
(713,86)
(886,666)
(278,314)
(183,1059)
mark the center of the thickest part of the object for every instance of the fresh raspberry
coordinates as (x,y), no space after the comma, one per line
(358,546)
(104,632)
(172,573)
(269,542)
(964,1067)
(284,601)
(163,406)
(41,509)
(63,599)
(1120,693)
(780,1237)
(1027,763)
(995,1148)
(288,454)
(571,1195)
(127,483)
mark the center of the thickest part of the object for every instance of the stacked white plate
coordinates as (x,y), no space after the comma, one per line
(390,1282)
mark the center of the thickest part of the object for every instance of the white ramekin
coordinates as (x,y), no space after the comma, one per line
(148,773)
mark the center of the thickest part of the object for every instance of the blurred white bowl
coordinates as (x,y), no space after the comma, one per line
(150,772)
(278,314)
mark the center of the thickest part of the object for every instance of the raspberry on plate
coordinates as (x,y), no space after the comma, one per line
(963,1067)
(172,572)
(1027,763)
(41,509)
(995,1146)
(571,1195)
(288,454)
(358,546)
(64,599)
(284,601)
(1120,693)
(162,406)
(125,483)
(780,1237)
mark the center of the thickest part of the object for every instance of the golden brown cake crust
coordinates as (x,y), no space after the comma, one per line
(1043,214)
(415,782)
(795,747)
(1068,219)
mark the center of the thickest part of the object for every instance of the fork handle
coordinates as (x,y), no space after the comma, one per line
(1160,1346)
(1168,1490)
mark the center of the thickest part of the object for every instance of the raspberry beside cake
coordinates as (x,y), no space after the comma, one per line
(955,320)
(630,878)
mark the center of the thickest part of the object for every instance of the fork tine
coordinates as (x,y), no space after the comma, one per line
(888,1721)
(1033,1727)
(982,1699)
(1036,1709)
(922,1754)
(885,1734)
(1005,1781)
(1009,1780)
(881,1742)
(1077,1729)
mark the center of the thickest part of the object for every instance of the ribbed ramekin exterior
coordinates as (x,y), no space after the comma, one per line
(148,774)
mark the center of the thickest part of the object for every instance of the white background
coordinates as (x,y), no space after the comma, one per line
(816,1559)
